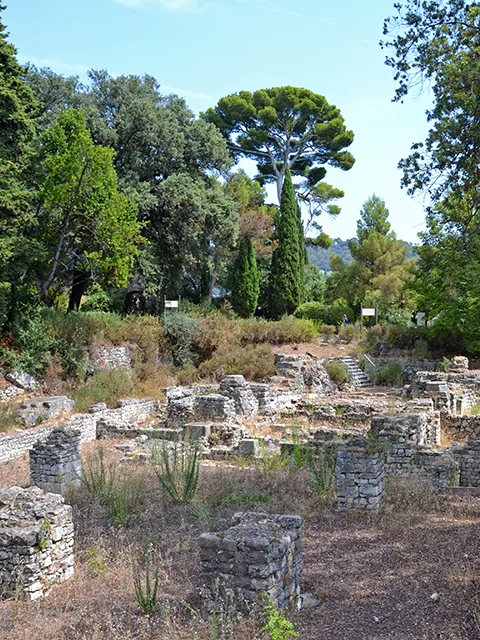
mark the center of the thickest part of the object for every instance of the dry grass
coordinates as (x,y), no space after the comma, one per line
(373,576)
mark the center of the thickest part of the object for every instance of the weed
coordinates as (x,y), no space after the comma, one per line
(43,536)
(202,512)
(96,561)
(125,496)
(177,468)
(98,479)
(277,626)
(145,589)
(322,466)
(390,374)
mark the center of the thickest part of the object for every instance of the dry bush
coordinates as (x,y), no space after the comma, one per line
(105,386)
(412,495)
(282,331)
(255,362)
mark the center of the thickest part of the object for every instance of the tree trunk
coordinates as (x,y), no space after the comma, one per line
(81,280)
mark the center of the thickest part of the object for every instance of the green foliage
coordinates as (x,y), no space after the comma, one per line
(126,495)
(391,374)
(5,294)
(180,336)
(314,283)
(96,561)
(146,587)
(98,479)
(322,465)
(314,311)
(325,314)
(338,372)
(282,331)
(269,124)
(177,468)
(277,626)
(246,285)
(286,273)
(43,536)
(104,386)
(9,417)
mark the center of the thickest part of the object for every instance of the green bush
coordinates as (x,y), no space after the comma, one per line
(98,478)
(5,292)
(180,337)
(125,496)
(105,386)
(323,313)
(255,362)
(145,590)
(338,372)
(327,331)
(314,311)
(390,374)
(284,331)
(349,332)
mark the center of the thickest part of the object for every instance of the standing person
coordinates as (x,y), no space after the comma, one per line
(345,320)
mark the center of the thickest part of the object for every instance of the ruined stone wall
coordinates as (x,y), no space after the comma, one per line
(468,458)
(459,428)
(14,445)
(55,465)
(259,555)
(36,542)
(360,476)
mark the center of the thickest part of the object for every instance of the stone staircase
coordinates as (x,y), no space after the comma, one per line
(359,377)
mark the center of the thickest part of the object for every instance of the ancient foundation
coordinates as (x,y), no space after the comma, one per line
(258,556)
(36,542)
(55,465)
(360,476)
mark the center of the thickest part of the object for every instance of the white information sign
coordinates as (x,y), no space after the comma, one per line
(171,304)
(368,312)
(421,318)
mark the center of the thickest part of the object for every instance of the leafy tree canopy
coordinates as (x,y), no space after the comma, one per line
(284,126)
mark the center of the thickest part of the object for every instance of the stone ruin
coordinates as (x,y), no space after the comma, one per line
(55,465)
(37,410)
(36,542)
(360,476)
(259,556)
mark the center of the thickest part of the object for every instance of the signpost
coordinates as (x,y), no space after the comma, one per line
(369,312)
(172,304)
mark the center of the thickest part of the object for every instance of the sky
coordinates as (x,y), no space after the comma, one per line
(206,49)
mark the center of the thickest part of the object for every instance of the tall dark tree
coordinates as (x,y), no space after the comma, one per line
(286,278)
(246,283)
(17,106)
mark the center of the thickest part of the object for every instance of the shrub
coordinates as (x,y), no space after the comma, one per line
(177,468)
(105,386)
(255,362)
(5,293)
(314,311)
(284,331)
(322,466)
(9,417)
(338,372)
(349,332)
(420,349)
(327,331)
(180,336)
(390,374)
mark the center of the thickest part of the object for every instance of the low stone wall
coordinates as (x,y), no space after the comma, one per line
(238,389)
(36,542)
(113,421)
(259,555)
(360,476)
(56,465)
(409,427)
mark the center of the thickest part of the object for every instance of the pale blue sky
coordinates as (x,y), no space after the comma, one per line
(205,49)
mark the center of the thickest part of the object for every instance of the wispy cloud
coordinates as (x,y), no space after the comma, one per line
(186,93)
(273,6)
(170,5)
(55,65)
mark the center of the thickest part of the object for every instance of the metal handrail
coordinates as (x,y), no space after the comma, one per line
(369,361)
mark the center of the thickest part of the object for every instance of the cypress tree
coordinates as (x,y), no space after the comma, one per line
(287,259)
(246,280)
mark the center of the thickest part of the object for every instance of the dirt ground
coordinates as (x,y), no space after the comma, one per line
(374,576)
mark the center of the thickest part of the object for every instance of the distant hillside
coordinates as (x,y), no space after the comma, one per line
(321,257)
